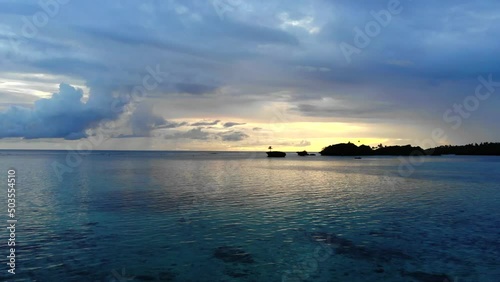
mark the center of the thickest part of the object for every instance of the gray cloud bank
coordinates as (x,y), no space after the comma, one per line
(426,59)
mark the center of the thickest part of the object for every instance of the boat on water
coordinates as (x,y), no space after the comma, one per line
(304,153)
(275,154)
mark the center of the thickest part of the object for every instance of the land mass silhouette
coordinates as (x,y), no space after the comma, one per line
(350,149)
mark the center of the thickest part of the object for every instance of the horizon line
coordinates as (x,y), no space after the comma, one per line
(220,151)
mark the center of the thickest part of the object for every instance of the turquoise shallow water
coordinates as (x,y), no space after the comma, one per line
(243,217)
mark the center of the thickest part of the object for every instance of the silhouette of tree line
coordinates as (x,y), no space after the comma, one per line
(350,149)
(482,149)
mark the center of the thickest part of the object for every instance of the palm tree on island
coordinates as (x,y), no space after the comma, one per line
(275,154)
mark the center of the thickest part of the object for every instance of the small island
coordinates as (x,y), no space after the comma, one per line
(305,153)
(482,149)
(275,154)
(350,149)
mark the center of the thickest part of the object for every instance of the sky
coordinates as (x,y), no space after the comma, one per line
(245,75)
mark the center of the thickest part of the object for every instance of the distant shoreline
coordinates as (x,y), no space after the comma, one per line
(350,149)
(341,149)
(4,152)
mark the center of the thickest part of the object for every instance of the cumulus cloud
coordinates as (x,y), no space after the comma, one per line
(63,115)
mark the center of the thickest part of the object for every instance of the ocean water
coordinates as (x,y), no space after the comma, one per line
(201,216)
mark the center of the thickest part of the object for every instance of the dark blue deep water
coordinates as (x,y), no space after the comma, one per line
(200,216)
